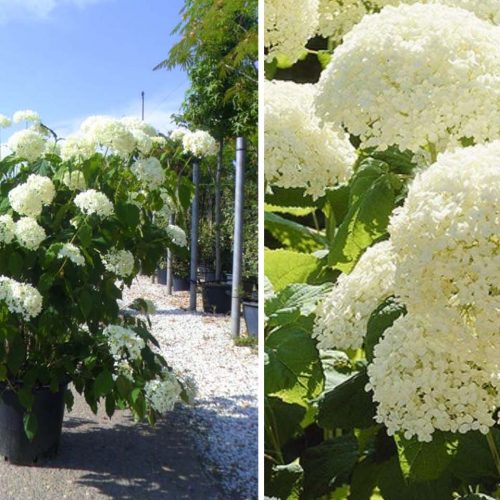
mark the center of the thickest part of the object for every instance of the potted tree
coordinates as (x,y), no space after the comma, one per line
(75,228)
(180,272)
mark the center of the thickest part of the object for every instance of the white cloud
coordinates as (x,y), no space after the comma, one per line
(37,9)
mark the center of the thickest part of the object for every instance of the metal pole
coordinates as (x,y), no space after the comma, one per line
(194,235)
(169,263)
(142,97)
(218,267)
(238,235)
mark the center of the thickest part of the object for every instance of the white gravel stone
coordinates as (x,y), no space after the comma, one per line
(224,418)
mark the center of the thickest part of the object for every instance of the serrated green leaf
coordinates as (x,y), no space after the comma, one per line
(329,465)
(293,235)
(285,481)
(348,405)
(85,235)
(293,371)
(103,383)
(284,267)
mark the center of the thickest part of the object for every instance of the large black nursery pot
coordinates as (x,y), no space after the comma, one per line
(217,297)
(251,315)
(161,275)
(180,284)
(48,407)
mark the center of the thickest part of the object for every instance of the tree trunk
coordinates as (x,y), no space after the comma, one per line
(218,173)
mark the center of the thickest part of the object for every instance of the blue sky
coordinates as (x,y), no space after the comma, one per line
(68,59)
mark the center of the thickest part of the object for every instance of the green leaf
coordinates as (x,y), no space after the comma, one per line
(426,461)
(69,399)
(15,264)
(293,371)
(30,425)
(110,405)
(294,301)
(348,405)
(3,373)
(103,383)
(283,267)
(25,396)
(372,200)
(324,58)
(295,211)
(127,214)
(85,235)
(45,283)
(382,318)
(285,481)
(16,354)
(292,234)
(290,197)
(329,465)
(86,302)
(337,368)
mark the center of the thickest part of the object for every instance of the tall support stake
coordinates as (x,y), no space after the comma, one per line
(218,173)
(142,102)
(238,235)
(169,263)
(194,234)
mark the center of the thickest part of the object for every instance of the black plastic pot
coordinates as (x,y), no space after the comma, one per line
(161,275)
(180,284)
(49,410)
(216,297)
(251,315)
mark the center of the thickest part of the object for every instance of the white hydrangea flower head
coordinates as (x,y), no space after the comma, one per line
(29,198)
(149,172)
(123,343)
(94,202)
(178,134)
(77,147)
(109,133)
(5,121)
(134,124)
(20,298)
(74,180)
(337,17)
(119,262)
(163,393)
(177,235)
(342,318)
(7,229)
(29,233)
(162,216)
(415,76)
(422,385)
(159,140)
(299,151)
(288,26)
(446,238)
(199,143)
(73,253)
(27,144)
(26,115)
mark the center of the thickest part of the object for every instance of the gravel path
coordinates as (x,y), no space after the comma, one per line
(224,419)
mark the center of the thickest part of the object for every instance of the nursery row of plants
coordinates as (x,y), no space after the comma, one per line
(382,258)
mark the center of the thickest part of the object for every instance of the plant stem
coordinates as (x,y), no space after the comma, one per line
(494,451)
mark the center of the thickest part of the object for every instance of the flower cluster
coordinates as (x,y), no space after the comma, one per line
(26,115)
(27,144)
(447,254)
(71,252)
(178,134)
(20,298)
(445,238)
(94,202)
(337,17)
(74,180)
(415,76)
(119,262)
(177,235)
(288,26)
(164,393)
(29,233)
(342,317)
(29,198)
(199,143)
(149,172)
(78,147)
(299,151)
(123,343)
(5,121)
(162,216)
(428,377)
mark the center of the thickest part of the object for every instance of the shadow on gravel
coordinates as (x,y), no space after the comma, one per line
(130,461)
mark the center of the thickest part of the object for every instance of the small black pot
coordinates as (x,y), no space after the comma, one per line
(180,284)
(161,275)
(49,410)
(251,315)
(217,298)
